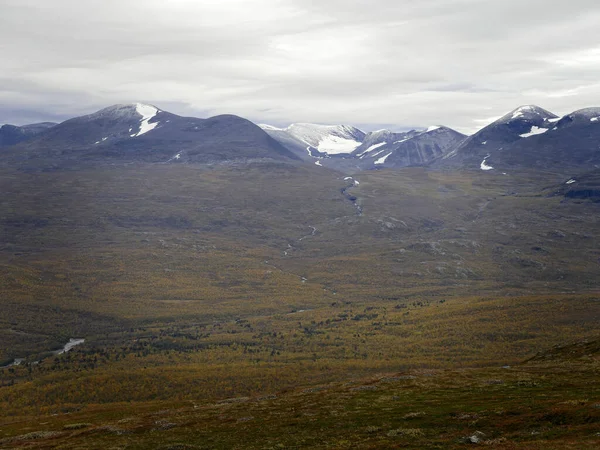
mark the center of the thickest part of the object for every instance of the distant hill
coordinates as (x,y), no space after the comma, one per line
(531,138)
(138,132)
(12,134)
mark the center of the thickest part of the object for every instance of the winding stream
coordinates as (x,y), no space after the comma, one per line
(351,198)
(67,348)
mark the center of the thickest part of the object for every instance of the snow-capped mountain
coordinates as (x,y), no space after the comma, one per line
(570,143)
(345,147)
(140,132)
(581,117)
(387,149)
(375,140)
(12,134)
(521,123)
(319,140)
(531,138)
(527,137)
(328,139)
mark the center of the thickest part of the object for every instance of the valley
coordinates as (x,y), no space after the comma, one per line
(261,301)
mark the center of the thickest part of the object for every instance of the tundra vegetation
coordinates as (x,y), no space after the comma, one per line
(250,305)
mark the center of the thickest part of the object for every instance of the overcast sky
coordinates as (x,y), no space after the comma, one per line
(392,63)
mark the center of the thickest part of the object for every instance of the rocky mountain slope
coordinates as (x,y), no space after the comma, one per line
(409,149)
(526,138)
(531,138)
(343,147)
(138,132)
(12,134)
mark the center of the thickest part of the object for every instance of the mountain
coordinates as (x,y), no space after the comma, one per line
(314,142)
(345,147)
(12,134)
(533,138)
(300,148)
(407,149)
(328,139)
(521,123)
(139,132)
(572,144)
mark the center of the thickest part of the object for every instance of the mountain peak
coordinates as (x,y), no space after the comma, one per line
(432,128)
(330,139)
(527,112)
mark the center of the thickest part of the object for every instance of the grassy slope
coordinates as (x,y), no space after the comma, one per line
(550,404)
(177,276)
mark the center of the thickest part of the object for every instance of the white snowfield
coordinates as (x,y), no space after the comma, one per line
(534,131)
(330,139)
(147,112)
(571,181)
(335,145)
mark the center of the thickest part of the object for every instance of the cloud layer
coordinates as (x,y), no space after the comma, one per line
(396,63)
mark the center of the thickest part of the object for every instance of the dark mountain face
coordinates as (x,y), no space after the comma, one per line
(521,123)
(12,134)
(411,149)
(567,145)
(528,137)
(145,133)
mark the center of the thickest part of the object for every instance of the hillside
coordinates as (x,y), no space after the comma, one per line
(233,300)
(143,133)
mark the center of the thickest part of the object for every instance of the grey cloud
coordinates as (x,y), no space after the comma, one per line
(401,63)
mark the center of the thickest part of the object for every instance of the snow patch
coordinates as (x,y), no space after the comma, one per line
(332,139)
(370,149)
(484,142)
(377,154)
(534,130)
(571,181)
(265,126)
(484,166)
(432,128)
(519,111)
(382,159)
(594,119)
(318,163)
(147,112)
